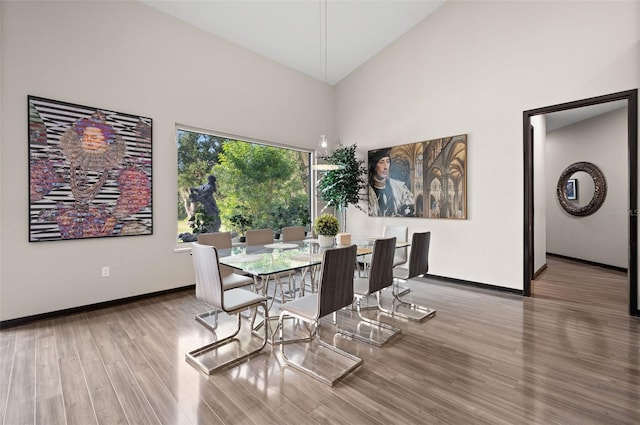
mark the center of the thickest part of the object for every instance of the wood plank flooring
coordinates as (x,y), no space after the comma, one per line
(570,354)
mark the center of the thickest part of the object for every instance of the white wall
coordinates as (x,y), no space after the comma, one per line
(539,190)
(127,57)
(474,67)
(602,237)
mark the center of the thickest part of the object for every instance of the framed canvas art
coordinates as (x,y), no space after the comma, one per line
(426,179)
(89,172)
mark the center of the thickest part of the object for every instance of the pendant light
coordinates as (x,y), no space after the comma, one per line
(323,150)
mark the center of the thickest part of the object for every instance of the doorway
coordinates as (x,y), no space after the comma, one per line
(631,97)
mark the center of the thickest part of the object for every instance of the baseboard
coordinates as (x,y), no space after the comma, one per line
(474,284)
(539,272)
(82,309)
(591,263)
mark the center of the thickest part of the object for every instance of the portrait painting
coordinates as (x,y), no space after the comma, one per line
(425,179)
(90,172)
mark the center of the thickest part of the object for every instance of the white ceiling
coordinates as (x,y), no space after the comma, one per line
(292,32)
(561,119)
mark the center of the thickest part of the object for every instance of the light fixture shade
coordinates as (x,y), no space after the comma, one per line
(323,152)
(326,167)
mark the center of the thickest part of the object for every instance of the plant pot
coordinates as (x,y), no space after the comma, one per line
(325,241)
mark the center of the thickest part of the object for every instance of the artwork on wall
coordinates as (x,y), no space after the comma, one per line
(425,179)
(571,189)
(89,172)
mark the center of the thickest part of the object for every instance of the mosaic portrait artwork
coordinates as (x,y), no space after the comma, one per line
(425,179)
(89,172)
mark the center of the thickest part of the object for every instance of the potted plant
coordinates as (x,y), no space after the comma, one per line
(240,224)
(347,184)
(326,227)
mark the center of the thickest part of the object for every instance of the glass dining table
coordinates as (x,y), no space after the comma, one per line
(280,257)
(266,263)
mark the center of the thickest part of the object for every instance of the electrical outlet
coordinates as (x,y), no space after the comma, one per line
(105,271)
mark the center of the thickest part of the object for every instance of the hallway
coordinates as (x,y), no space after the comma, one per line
(583,284)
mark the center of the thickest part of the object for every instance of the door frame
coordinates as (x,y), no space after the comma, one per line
(631,96)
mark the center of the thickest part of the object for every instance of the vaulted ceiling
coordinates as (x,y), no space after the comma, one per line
(326,39)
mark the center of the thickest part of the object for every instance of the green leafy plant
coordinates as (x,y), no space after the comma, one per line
(326,225)
(280,217)
(240,223)
(201,222)
(346,185)
(257,180)
(303,218)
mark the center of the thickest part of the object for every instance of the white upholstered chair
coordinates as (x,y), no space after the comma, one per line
(210,289)
(230,279)
(401,233)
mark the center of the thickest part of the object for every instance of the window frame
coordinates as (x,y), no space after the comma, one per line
(312,175)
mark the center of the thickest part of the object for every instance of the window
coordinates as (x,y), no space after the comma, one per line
(229,184)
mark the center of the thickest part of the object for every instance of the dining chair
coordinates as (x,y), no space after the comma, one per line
(265,237)
(326,363)
(230,279)
(298,233)
(293,233)
(210,289)
(258,237)
(401,233)
(380,276)
(418,266)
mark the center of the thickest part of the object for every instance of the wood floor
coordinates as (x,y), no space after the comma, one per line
(486,358)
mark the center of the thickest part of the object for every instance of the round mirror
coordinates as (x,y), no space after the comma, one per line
(581,189)
(582,186)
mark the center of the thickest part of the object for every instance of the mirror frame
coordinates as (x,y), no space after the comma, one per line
(599,192)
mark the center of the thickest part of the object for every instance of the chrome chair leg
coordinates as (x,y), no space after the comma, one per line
(374,325)
(201,318)
(399,290)
(193,356)
(314,336)
(419,313)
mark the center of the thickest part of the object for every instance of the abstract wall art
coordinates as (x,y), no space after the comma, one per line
(425,179)
(89,172)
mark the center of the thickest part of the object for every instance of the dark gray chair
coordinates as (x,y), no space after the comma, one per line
(380,276)
(210,289)
(335,291)
(418,266)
